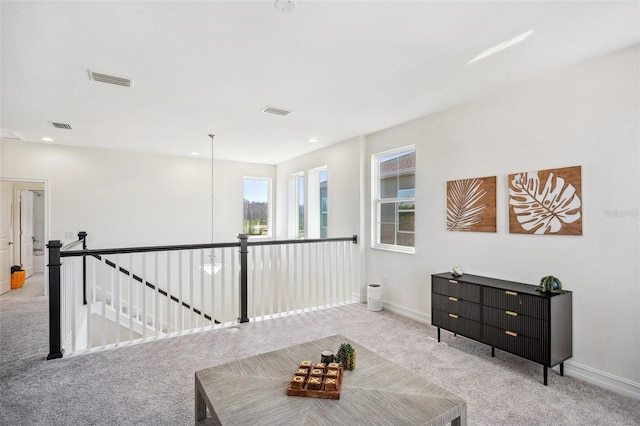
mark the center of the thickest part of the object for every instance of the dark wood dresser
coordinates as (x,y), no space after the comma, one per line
(507,315)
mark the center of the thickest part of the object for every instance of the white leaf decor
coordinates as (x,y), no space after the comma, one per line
(464,204)
(544,207)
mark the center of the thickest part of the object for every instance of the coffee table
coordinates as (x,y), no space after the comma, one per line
(253,391)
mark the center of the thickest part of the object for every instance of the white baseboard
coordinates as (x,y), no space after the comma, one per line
(571,368)
(406,312)
(602,379)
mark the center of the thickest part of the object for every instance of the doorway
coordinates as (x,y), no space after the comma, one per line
(23,233)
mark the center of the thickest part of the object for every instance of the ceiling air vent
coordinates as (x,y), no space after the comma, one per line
(276,111)
(110,79)
(64,126)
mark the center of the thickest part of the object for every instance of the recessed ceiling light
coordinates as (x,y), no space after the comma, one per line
(46,139)
(195,154)
(313,140)
(498,47)
(285,6)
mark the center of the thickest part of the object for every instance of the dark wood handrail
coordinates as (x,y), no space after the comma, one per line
(124,250)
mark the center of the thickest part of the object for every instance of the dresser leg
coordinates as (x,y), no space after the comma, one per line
(562,368)
(545,375)
(493,351)
(438,334)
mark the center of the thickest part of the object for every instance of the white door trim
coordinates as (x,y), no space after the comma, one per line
(39,185)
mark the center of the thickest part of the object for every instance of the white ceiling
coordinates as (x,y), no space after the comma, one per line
(345,68)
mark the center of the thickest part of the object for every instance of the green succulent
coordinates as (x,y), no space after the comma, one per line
(550,284)
(346,356)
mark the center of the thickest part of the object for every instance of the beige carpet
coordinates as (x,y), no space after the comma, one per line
(152,383)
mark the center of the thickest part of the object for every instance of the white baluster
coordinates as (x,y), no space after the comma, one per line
(104,302)
(223,286)
(130,302)
(115,299)
(74,262)
(90,301)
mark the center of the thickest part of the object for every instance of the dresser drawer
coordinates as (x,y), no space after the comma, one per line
(456,324)
(455,305)
(517,344)
(523,304)
(451,287)
(521,324)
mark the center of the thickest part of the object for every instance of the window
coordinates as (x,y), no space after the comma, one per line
(324,213)
(257,210)
(296,205)
(394,199)
(318,207)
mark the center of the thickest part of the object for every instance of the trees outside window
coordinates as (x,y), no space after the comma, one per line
(257,207)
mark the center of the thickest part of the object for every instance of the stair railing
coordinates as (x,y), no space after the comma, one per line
(265,279)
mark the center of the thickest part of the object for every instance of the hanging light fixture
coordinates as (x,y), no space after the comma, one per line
(212,267)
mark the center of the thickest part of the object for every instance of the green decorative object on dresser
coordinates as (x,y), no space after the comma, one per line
(550,284)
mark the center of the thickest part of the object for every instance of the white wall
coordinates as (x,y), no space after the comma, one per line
(587,115)
(131,199)
(342,161)
(344,188)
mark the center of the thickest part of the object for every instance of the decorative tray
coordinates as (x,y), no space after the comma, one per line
(316,380)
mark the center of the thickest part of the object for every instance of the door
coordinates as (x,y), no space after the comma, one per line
(26,231)
(6,231)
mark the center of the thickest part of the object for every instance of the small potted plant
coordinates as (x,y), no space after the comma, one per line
(550,284)
(346,356)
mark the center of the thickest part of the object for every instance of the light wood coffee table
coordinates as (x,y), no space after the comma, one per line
(253,391)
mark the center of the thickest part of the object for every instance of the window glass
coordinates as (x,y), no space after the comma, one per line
(256,218)
(324,212)
(394,183)
(300,205)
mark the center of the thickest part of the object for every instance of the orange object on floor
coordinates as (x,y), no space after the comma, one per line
(17,279)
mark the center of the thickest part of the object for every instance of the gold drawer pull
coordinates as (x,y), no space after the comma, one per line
(513,314)
(453,281)
(511,333)
(511,293)
(453,315)
(453,299)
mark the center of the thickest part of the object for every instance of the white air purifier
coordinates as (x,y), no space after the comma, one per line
(374,297)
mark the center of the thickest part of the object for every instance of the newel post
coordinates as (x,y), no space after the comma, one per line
(244,251)
(55,332)
(83,236)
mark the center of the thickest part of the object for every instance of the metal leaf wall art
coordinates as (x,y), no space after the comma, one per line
(546,202)
(471,205)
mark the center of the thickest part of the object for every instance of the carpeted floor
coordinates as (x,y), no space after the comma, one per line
(152,383)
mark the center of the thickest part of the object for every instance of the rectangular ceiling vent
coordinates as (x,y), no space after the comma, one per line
(64,126)
(276,111)
(110,79)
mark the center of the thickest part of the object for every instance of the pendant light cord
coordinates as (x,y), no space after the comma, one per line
(212,136)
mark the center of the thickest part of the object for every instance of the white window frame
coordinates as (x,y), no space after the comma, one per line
(269,205)
(376,203)
(294,203)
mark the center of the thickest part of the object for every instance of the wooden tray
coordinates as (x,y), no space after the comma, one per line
(317,393)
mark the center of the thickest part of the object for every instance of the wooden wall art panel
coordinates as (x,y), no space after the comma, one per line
(471,205)
(546,202)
